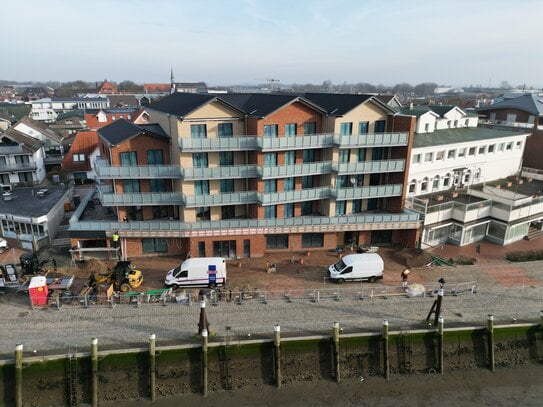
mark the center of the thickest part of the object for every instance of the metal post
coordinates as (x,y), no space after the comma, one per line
(277,343)
(440,325)
(94,371)
(19,375)
(490,333)
(152,367)
(386,361)
(440,293)
(335,337)
(204,362)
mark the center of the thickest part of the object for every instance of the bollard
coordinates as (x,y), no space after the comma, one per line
(94,371)
(152,367)
(440,325)
(204,362)
(19,375)
(386,361)
(490,333)
(277,344)
(335,337)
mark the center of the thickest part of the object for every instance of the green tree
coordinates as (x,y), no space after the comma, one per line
(129,86)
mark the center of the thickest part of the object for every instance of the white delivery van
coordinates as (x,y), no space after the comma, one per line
(361,267)
(198,272)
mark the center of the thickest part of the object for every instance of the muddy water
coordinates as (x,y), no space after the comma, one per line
(520,385)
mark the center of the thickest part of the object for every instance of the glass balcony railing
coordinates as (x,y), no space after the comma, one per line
(106,171)
(372,140)
(310,194)
(296,142)
(233,198)
(296,170)
(11,167)
(18,149)
(234,171)
(141,199)
(377,191)
(366,167)
(221,144)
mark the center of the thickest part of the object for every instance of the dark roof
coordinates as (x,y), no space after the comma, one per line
(17,111)
(71,113)
(262,104)
(460,135)
(26,203)
(527,102)
(337,104)
(114,110)
(30,143)
(416,111)
(123,100)
(122,130)
(180,104)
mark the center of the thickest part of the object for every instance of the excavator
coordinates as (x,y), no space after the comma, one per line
(124,277)
(31,265)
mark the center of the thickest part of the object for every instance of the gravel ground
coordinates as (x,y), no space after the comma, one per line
(511,292)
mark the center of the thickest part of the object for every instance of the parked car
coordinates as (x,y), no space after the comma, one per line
(3,244)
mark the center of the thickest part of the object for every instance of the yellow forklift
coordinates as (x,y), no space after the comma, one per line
(124,277)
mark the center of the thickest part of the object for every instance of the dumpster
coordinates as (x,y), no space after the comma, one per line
(38,291)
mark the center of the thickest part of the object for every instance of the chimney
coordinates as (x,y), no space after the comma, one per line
(410,105)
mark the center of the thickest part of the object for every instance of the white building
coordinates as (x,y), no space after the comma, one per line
(47,109)
(21,159)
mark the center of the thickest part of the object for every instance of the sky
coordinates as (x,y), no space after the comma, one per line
(226,42)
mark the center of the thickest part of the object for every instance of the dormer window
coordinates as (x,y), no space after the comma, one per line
(102,118)
(79,158)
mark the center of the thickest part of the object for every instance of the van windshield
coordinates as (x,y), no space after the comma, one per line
(340,265)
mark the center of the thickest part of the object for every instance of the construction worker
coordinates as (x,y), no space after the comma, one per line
(115,239)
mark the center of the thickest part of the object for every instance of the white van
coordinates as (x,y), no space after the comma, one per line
(361,267)
(198,272)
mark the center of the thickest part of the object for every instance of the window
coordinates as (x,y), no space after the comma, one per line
(412,186)
(198,131)
(456,123)
(377,153)
(199,160)
(447,180)
(416,158)
(428,157)
(78,157)
(288,210)
(290,157)
(312,239)
(226,158)
(131,186)
(270,185)
(270,159)
(467,177)
(435,183)
(482,150)
(357,206)
(155,157)
(471,151)
(270,130)
(346,129)
(427,127)
(290,129)
(307,181)
(451,153)
(225,130)
(461,152)
(306,208)
(201,250)
(340,208)
(344,156)
(363,127)
(380,126)
(361,154)
(289,184)
(201,187)
(341,181)
(424,185)
(203,213)
(310,128)
(449,124)
(309,156)
(277,242)
(128,158)
(154,245)
(270,212)
(491,148)
(509,146)
(518,145)
(160,212)
(440,155)
(68,121)
(501,146)
(228,212)
(113,118)
(158,185)
(227,186)
(466,122)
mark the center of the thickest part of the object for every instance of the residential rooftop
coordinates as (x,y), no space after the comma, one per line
(26,202)
(459,135)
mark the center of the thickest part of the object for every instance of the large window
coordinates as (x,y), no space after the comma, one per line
(344,156)
(471,151)
(225,130)
(270,159)
(199,160)
(158,185)
(357,206)
(380,126)
(288,210)
(270,130)
(131,186)
(270,185)
(340,208)
(227,186)
(289,184)
(312,239)
(290,129)
(346,129)
(128,158)
(290,157)
(363,127)
(154,245)
(277,242)
(226,158)
(309,156)
(310,128)
(307,181)
(228,212)
(198,131)
(270,212)
(361,154)
(155,157)
(306,208)
(201,187)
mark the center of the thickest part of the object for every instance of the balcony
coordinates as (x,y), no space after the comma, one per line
(234,198)
(367,167)
(106,171)
(248,227)
(377,191)
(295,142)
(218,144)
(17,167)
(310,194)
(53,158)
(7,150)
(296,170)
(372,140)
(223,172)
(141,199)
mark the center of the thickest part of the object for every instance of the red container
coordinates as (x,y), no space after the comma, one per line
(38,290)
